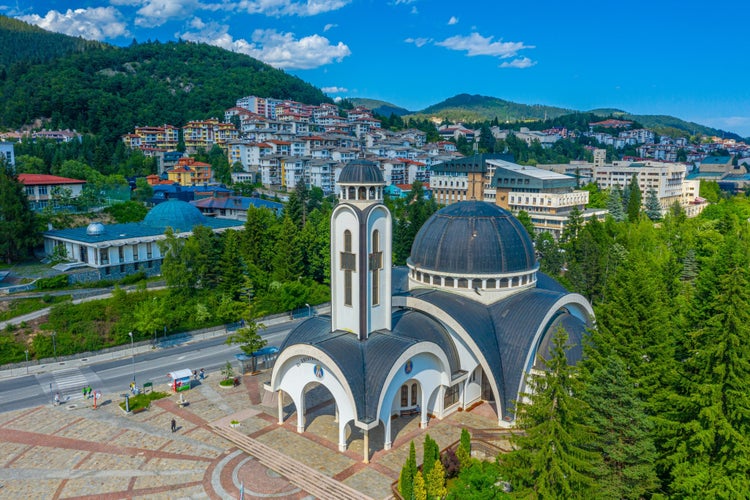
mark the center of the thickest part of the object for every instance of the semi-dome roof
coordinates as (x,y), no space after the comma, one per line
(361,172)
(175,214)
(473,237)
(95,229)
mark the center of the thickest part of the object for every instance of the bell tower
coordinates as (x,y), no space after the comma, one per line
(361,259)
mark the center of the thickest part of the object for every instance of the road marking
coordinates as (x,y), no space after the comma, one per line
(70,382)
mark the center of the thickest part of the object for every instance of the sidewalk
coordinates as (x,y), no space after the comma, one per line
(73,451)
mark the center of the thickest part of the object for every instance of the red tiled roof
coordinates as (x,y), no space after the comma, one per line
(40,179)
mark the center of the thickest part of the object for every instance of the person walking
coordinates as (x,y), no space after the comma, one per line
(174,425)
(203,374)
(85,392)
(57,398)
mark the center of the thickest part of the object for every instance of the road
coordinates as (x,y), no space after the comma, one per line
(114,376)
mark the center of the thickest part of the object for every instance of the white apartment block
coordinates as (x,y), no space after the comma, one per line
(667,179)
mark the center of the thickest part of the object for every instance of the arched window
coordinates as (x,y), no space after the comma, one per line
(352,193)
(463,283)
(376,264)
(414,394)
(491,283)
(348,264)
(362,193)
(449,282)
(372,193)
(404,396)
(504,283)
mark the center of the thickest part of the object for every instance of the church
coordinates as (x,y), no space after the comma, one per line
(465,321)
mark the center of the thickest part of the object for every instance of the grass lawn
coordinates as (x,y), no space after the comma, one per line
(25,306)
(143,401)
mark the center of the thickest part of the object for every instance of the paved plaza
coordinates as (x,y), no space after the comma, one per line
(73,451)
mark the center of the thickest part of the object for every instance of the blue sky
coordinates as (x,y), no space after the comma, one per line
(647,57)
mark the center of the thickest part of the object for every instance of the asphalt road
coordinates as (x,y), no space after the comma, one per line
(114,376)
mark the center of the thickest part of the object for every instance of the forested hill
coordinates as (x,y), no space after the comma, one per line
(25,42)
(108,90)
(475,108)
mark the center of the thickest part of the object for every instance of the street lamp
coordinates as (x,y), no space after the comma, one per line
(54,345)
(132,348)
(309,310)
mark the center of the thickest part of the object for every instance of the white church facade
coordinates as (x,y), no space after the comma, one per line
(464,322)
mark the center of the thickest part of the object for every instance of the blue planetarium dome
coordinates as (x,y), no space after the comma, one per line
(175,214)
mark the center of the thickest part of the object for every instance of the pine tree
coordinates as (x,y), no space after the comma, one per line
(287,259)
(622,431)
(634,199)
(614,204)
(653,207)
(708,448)
(408,471)
(552,459)
(17,221)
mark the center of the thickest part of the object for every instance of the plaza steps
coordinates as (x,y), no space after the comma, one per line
(299,474)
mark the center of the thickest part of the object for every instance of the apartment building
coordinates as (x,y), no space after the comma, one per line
(468,178)
(189,172)
(547,196)
(41,188)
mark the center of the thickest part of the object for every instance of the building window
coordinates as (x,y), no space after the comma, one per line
(404,396)
(414,394)
(104,256)
(451,396)
(120,254)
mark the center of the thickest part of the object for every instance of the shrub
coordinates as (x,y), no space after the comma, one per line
(52,283)
(133,278)
(143,400)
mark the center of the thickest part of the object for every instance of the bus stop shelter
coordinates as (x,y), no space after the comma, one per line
(180,380)
(252,362)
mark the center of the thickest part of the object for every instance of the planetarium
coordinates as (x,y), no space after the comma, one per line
(111,251)
(465,321)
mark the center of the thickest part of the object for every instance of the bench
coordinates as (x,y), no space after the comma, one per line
(409,411)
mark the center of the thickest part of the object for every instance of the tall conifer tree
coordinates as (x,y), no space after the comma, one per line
(552,459)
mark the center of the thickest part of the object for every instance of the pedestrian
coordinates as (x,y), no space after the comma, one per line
(174,425)
(203,374)
(89,391)
(195,374)
(84,392)
(57,398)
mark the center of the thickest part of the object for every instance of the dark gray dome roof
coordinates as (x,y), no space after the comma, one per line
(473,237)
(361,172)
(175,214)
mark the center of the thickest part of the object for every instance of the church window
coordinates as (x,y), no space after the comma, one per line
(372,193)
(404,396)
(352,193)
(451,396)
(449,282)
(414,394)
(463,283)
(376,264)
(491,283)
(348,264)
(362,193)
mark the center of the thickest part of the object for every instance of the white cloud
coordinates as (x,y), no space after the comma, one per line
(453,20)
(289,7)
(334,90)
(329,27)
(414,10)
(154,13)
(280,50)
(96,23)
(419,42)
(521,62)
(404,2)
(477,45)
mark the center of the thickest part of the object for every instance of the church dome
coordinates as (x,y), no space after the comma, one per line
(175,214)
(473,237)
(361,172)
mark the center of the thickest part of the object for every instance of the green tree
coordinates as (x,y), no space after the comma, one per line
(708,447)
(614,204)
(408,471)
(430,453)
(634,199)
(552,458)
(287,259)
(143,190)
(17,221)
(622,431)
(525,219)
(435,481)
(249,339)
(653,207)
(420,489)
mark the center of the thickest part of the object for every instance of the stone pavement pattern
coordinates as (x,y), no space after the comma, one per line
(76,452)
